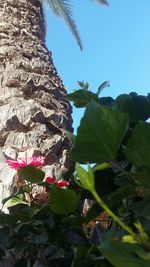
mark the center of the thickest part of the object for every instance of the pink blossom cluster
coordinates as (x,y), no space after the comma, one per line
(22,162)
(35,161)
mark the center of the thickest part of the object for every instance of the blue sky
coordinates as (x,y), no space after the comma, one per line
(116,42)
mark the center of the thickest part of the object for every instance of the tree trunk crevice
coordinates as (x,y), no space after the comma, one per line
(34,112)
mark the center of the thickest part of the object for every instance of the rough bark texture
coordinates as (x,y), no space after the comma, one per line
(34,113)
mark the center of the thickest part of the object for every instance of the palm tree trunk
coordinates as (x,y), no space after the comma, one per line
(33,111)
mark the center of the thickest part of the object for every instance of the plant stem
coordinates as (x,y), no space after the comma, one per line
(136,237)
(116,218)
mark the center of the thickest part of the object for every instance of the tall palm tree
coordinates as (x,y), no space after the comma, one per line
(34,113)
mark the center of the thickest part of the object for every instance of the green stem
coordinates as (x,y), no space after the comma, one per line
(136,237)
(116,218)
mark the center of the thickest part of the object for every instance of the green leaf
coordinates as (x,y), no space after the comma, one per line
(20,248)
(81,98)
(21,263)
(2,252)
(19,199)
(137,150)
(8,219)
(129,239)
(85,178)
(114,198)
(83,85)
(123,254)
(32,174)
(137,106)
(40,238)
(62,8)
(102,166)
(142,177)
(63,201)
(111,200)
(142,208)
(6,240)
(99,134)
(102,87)
(141,231)
(107,101)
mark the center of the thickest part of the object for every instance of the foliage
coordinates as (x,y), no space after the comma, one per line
(53,229)
(62,8)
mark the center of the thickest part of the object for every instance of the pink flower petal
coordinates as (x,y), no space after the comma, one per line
(13,164)
(62,183)
(36,161)
(50,180)
(22,162)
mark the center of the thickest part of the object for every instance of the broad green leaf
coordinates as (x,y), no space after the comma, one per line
(86,178)
(40,238)
(142,177)
(99,134)
(137,106)
(19,199)
(21,263)
(8,219)
(107,101)
(81,98)
(6,240)
(32,174)
(137,150)
(114,198)
(63,201)
(20,247)
(142,208)
(123,254)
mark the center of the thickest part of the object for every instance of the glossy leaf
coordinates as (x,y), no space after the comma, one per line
(142,208)
(63,201)
(137,150)
(123,254)
(99,134)
(86,178)
(137,106)
(32,174)
(81,98)
(142,177)
(19,199)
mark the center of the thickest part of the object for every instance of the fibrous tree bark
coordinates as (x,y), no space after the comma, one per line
(33,111)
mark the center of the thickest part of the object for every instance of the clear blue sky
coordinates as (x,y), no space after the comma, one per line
(116,42)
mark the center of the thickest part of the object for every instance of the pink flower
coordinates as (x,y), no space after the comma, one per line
(22,162)
(60,183)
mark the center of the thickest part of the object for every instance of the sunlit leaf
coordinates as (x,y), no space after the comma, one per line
(99,134)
